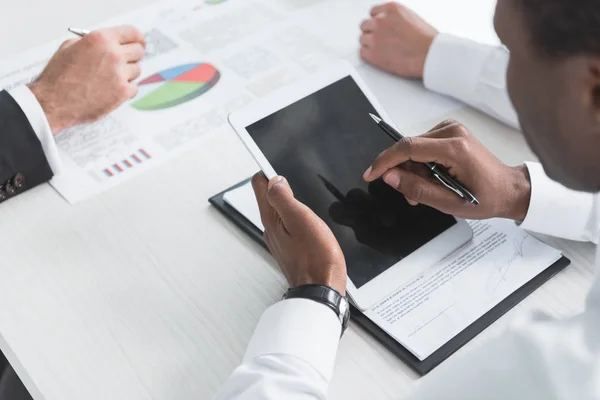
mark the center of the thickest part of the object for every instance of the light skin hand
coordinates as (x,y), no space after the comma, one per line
(303,245)
(89,77)
(502,191)
(397,40)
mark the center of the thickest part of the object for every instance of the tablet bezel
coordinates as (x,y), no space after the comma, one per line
(403,271)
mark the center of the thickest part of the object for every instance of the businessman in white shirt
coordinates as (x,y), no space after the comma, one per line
(85,80)
(552,76)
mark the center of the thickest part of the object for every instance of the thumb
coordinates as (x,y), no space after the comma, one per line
(281,198)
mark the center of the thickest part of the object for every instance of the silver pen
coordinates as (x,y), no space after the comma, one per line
(438,171)
(79,32)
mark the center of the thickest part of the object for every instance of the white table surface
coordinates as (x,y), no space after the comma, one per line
(145,292)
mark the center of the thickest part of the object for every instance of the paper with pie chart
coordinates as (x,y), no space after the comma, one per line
(204,59)
(175,86)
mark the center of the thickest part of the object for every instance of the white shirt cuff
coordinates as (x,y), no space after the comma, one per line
(557,211)
(454,65)
(299,328)
(35,114)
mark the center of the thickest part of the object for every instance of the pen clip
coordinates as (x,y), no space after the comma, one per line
(443,181)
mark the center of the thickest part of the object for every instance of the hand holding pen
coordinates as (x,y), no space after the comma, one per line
(438,171)
(450,149)
(88,78)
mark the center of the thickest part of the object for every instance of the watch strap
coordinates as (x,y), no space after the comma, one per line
(325,295)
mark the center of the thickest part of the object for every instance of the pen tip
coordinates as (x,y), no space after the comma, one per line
(375,118)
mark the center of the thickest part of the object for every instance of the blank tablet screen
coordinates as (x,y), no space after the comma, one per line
(323,144)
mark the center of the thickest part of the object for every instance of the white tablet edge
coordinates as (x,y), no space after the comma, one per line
(405,270)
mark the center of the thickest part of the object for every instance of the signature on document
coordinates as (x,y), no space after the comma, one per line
(502,267)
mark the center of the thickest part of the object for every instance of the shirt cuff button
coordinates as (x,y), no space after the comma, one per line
(18,181)
(9,189)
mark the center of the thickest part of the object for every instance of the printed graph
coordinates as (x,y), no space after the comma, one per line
(138,157)
(175,86)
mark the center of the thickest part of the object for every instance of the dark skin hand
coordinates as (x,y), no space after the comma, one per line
(301,242)
(502,191)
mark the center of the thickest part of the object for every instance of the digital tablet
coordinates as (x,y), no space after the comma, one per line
(319,135)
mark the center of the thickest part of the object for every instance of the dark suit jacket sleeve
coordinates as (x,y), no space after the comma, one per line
(23,163)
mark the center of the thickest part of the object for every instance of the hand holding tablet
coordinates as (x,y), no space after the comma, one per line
(301,242)
(318,134)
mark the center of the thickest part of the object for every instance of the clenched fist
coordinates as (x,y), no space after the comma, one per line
(397,40)
(89,77)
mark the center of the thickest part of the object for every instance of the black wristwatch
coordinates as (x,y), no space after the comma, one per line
(325,295)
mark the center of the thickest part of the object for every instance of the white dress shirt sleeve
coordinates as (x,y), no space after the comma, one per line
(471,72)
(290,356)
(557,211)
(539,359)
(35,114)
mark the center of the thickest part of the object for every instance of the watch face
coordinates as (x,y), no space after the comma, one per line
(344,306)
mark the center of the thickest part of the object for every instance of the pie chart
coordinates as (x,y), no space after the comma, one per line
(174,86)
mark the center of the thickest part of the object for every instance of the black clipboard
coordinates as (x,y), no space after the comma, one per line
(420,367)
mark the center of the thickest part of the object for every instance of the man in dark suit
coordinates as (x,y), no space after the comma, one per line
(85,80)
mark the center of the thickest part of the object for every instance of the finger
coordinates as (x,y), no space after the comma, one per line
(134,70)
(132,90)
(368,26)
(383,9)
(420,149)
(281,198)
(366,40)
(446,129)
(260,184)
(133,52)
(443,124)
(128,34)
(417,190)
(367,54)
(416,168)
(68,43)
